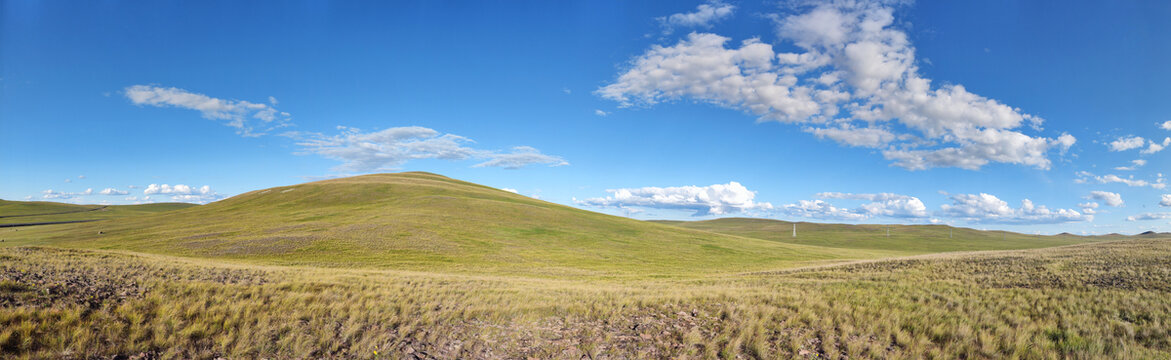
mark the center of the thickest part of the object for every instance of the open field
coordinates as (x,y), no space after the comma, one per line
(902,239)
(1104,300)
(21,212)
(427,222)
(417,265)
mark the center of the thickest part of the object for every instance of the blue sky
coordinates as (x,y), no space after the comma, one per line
(1027,116)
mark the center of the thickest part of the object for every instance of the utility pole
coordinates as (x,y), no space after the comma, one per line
(888,232)
(949,231)
(794,229)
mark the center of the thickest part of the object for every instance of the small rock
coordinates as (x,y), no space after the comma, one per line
(804,352)
(410,350)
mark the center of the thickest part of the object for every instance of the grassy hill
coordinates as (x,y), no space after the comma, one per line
(905,239)
(425,221)
(23,212)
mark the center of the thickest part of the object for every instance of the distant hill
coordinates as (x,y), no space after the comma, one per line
(909,239)
(22,212)
(427,221)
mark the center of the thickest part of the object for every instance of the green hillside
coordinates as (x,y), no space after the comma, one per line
(26,208)
(23,212)
(424,221)
(906,239)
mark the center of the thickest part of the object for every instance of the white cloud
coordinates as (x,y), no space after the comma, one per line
(600,112)
(818,209)
(990,209)
(386,149)
(177,189)
(1126,143)
(715,199)
(1166,200)
(50,194)
(81,177)
(519,157)
(1089,208)
(703,16)
(249,119)
(883,204)
(1086,177)
(183,193)
(1149,216)
(113,191)
(1166,125)
(1156,147)
(1111,199)
(1135,164)
(855,82)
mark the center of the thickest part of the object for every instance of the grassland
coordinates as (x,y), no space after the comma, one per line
(1102,300)
(900,239)
(427,222)
(23,212)
(421,266)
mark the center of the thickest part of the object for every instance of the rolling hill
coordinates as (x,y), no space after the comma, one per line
(24,212)
(425,221)
(906,239)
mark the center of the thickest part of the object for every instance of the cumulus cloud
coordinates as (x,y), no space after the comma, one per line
(987,208)
(717,199)
(386,149)
(1089,208)
(184,193)
(704,16)
(1166,200)
(1149,216)
(818,209)
(113,191)
(883,204)
(1126,143)
(249,119)
(1154,147)
(1087,177)
(1111,199)
(854,82)
(600,112)
(1166,125)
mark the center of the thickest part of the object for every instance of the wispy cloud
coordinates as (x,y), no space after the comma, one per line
(113,191)
(249,118)
(855,82)
(717,199)
(1084,177)
(1149,216)
(704,16)
(389,148)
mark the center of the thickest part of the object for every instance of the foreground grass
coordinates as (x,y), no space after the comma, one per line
(1103,300)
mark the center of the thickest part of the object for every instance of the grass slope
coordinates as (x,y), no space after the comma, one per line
(426,222)
(903,239)
(22,212)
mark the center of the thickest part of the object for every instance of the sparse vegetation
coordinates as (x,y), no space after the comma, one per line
(1105,300)
(421,266)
